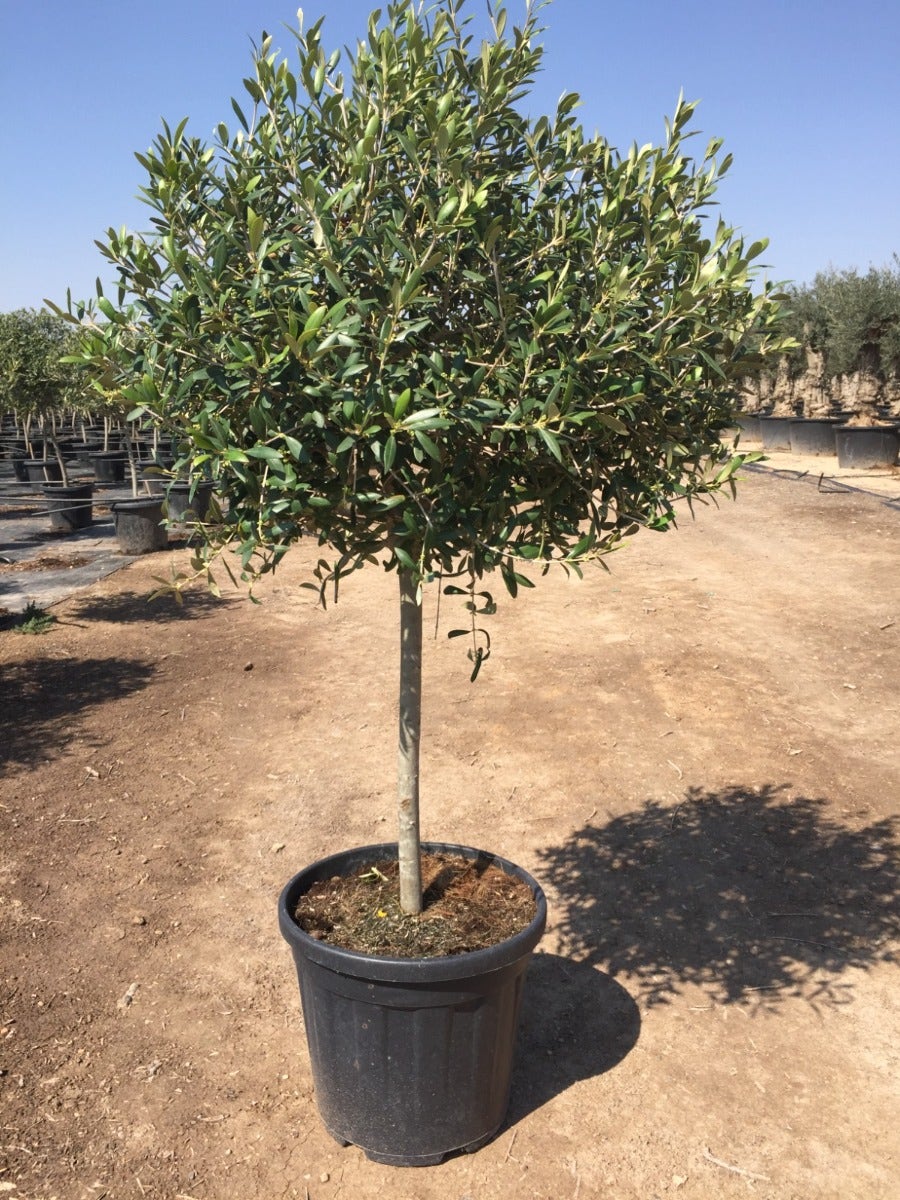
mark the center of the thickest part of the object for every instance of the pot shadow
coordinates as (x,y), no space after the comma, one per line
(44,697)
(577,1023)
(755,896)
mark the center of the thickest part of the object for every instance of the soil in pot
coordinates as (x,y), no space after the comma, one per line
(139,527)
(468,904)
(411,1057)
(69,508)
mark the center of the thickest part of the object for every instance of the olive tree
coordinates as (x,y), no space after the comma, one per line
(37,383)
(852,320)
(390,311)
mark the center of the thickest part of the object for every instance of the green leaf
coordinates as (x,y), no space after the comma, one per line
(447,209)
(240,116)
(315,319)
(401,404)
(427,445)
(404,559)
(255,228)
(551,441)
(423,416)
(267,454)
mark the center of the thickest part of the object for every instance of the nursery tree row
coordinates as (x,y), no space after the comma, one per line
(851,319)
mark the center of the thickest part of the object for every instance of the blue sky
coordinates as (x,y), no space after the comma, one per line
(806,94)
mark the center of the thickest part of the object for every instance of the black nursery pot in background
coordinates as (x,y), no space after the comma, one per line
(867,446)
(70,508)
(411,1058)
(775,432)
(109,465)
(40,470)
(182,507)
(139,525)
(813,435)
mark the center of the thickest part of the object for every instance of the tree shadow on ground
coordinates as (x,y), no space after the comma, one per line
(41,701)
(577,1023)
(747,893)
(139,606)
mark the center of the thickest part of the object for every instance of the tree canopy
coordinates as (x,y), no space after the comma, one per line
(850,318)
(34,374)
(392,310)
(396,313)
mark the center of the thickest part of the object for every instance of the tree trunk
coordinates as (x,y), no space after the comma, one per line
(408,746)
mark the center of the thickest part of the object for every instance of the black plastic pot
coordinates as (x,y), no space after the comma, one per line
(139,527)
(18,465)
(109,465)
(865,446)
(182,507)
(813,435)
(83,452)
(154,479)
(748,424)
(39,470)
(411,1058)
(775,432)
(69,507)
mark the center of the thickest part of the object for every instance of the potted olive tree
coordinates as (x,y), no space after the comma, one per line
(44,390)
(847,330)
(393,314)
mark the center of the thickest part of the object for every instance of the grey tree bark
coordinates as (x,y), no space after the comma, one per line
(410,729)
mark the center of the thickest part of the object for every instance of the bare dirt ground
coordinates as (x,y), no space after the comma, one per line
(698,755)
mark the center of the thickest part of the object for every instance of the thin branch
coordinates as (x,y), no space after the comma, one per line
(735,1170)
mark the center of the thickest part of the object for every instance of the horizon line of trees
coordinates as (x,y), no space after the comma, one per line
(848,318)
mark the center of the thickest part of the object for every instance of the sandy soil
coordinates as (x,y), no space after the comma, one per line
(697,754)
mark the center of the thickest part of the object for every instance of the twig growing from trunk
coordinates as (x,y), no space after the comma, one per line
(408,745)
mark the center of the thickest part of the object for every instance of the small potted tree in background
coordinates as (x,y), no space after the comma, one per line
(861,341)
(847,331)
(139,520)
(44,389)
(394,314)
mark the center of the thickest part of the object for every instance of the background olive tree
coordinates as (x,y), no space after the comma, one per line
(37,383)
(850,318)
(393,312)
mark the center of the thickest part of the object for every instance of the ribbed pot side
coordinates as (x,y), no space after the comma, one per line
(411,1058)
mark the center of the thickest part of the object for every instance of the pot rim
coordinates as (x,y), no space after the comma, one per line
(816,420)
(136,502)
(877,426)
(56,488)
(436,968)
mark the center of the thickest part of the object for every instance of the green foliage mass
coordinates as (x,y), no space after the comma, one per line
(35,377)
(34,620)
(851,319)
(391,310)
